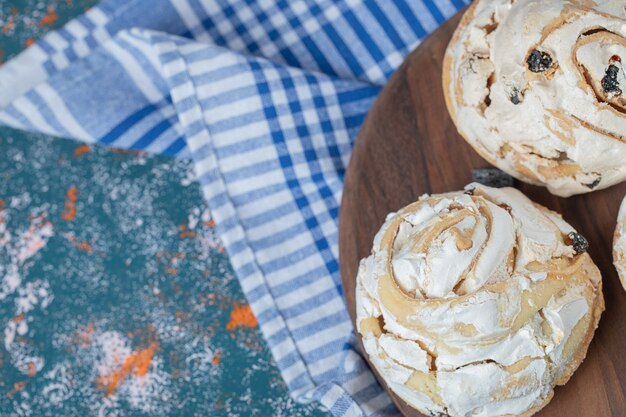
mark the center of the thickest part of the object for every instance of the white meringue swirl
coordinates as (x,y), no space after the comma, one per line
(538,88)
(476,304)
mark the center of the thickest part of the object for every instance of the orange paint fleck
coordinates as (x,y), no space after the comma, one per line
(69,211)
(137,363)
(210,223)
(216,358)
(29,42)
(50,18)
(83,338)
(1,204)
(32,369)
(182,316)
(81,150)
(17,387)
(18,318)
(10,24)
(171,268)
(185,232)
(241,316)
(84,246)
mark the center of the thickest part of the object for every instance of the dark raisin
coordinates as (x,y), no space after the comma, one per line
(470,191)
(539,61)
(492,177)
(578,242)
(610,85)
(515,99)
(594,184)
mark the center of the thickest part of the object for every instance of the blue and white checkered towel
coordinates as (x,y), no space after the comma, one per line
(266,96)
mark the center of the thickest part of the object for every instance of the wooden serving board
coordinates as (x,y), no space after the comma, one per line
(409,146)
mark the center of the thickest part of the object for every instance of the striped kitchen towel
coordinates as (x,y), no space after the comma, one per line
(266,97)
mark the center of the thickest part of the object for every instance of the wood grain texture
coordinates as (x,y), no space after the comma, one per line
(409,146)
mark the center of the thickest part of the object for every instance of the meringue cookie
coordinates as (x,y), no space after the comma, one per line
(538,88)
(619,244)
(476,303)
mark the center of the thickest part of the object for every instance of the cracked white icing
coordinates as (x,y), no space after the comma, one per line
(475,304)
(560,124)
(619,244)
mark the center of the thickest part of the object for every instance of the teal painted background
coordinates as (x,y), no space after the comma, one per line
(116,297)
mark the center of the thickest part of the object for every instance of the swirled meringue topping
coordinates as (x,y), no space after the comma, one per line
(539,89)
(476,303)
(619,244)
